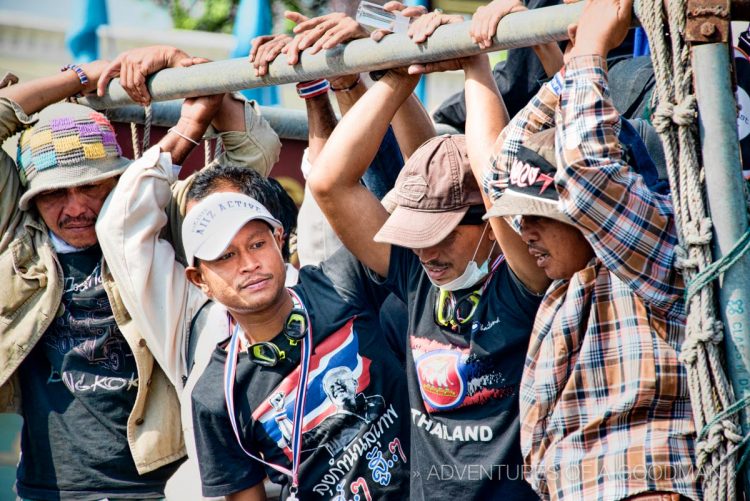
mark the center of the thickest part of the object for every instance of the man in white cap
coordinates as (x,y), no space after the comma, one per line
(282,344)
(101,420)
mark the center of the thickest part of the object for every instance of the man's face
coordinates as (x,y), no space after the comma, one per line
(341,387)
(448,259)
(560,249)
(249,275)
(70,213)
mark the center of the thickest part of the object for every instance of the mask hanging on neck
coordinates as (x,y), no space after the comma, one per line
(472,274)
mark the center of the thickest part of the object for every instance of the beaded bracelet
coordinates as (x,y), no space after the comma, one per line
(347,89)
(313,88)
(81,75)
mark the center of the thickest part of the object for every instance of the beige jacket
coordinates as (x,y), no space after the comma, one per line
(31,295)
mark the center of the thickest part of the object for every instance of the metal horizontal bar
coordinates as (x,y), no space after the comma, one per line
(288,123)
(521,29)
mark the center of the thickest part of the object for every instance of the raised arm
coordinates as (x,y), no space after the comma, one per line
(18,103)
(354,212)
(486,116)
(34,95)
(631,229)
(152,284)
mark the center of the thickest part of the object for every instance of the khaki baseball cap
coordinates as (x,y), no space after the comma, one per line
(432,194)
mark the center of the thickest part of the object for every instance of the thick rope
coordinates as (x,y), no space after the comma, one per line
(218,148)
(148,118)
(674,105)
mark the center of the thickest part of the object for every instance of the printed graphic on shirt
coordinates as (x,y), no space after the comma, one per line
(82,381)
(339,418)
(450,378)
(87,333)
(334,401)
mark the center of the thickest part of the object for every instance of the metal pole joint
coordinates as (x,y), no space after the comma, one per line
(708,21)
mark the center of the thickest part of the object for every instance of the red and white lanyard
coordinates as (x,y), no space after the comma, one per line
(230,371)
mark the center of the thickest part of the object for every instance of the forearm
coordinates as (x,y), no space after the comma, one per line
(588,120)
(196,115)
(179,142)
(346,97)
(352,210)
(412,126)
(486,115)
(321,121)
(550,56)
(231,115)
(35,95)
(353,144)
(599,191)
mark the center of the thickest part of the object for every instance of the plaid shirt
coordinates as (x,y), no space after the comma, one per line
(605,411)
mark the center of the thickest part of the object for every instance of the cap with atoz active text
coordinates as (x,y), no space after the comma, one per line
(433,193)
(212,223)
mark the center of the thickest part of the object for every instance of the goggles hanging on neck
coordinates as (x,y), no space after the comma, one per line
(453,313)
(268,354)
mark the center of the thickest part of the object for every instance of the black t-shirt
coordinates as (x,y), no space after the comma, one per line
(356,427)
(463,387)
(78,387)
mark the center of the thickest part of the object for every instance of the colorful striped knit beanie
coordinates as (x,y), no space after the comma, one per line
(70,145)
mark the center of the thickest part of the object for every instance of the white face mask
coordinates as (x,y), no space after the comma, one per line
(472,274)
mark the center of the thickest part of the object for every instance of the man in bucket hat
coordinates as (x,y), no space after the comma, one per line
(101,419)
(605,410)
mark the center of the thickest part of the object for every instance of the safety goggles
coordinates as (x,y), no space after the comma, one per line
(268,354)
(454,313)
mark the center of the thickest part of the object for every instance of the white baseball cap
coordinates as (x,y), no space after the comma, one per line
(212,223)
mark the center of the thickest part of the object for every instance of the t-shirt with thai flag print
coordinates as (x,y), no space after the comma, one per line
(355,430)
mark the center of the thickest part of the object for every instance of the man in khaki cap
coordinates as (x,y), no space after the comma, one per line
(101,419)
(470,316)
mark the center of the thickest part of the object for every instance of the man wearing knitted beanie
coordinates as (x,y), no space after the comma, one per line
(101,419)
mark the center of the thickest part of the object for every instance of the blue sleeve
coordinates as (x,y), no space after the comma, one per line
(382,173)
